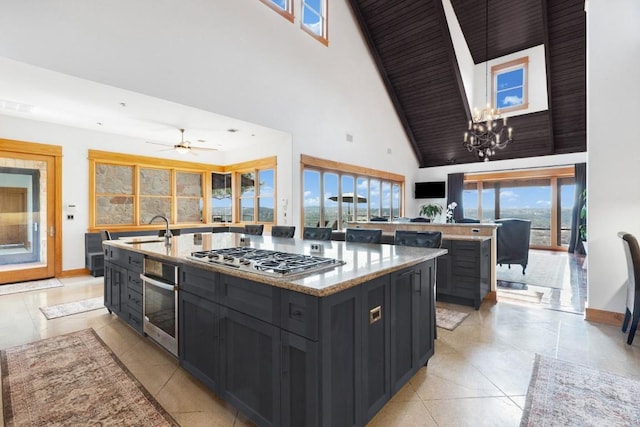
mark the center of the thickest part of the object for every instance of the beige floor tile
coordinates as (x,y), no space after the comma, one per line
(403,414)
(452,376)
(476,412)
(184,394)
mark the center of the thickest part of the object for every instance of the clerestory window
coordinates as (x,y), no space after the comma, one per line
(314,19)
(510,85)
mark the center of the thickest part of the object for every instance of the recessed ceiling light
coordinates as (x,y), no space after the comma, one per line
(232,130)
(202,140)
(123,104)
(99,123)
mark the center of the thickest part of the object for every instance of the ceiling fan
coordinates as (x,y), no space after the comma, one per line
(183,147)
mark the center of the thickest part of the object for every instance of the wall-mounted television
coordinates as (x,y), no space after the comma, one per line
(430,190)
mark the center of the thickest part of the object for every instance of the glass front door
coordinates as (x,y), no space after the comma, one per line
(26,217)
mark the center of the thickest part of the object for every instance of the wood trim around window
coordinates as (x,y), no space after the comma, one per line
(334,166)
(324,38)
(559,172)
(516,63)
(287,14)
(552,175)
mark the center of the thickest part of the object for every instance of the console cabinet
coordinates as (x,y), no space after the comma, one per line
(464,273)
(289,359)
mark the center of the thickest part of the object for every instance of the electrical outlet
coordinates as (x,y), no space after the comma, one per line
(317,248)
(245,241)
(70,216)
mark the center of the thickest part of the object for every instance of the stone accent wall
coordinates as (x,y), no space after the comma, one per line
(188,184)
(155,182)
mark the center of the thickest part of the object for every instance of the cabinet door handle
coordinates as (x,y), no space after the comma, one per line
(375,314)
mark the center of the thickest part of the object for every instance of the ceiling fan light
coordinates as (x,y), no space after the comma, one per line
(182,149)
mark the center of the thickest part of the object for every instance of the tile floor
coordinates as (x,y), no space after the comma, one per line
(478,376)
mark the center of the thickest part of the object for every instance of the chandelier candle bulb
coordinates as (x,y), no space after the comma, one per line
(466,135)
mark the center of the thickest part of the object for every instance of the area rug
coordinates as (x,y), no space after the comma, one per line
(70,308)
(34,285)
(564,394)
(449,319)
(74,379)
(543,270)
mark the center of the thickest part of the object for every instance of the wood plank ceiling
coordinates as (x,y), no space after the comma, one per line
(411,45)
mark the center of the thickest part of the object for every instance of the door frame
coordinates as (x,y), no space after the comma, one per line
(53,154)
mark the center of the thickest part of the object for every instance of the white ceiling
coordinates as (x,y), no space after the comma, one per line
(38,94)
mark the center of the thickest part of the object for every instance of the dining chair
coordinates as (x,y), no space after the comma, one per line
(316,233)
(254,229)
(283,231)
(363,235)
(424,239)
(632,309)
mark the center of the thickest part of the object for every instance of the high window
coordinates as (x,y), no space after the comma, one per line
(314,19)
(337,193)
(283,7)
(510,85)
(543,196)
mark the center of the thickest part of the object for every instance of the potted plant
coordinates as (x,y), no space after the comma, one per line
(431,210)
(582,228)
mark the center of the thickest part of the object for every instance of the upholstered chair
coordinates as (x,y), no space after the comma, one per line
(363,235)
(254,229)
(283,231)
(513,241)
(316,233)
(425,239)
(632,310)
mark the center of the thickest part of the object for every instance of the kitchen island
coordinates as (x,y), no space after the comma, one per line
(329,347)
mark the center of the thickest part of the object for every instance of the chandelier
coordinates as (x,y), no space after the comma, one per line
(486,130)
(486,133)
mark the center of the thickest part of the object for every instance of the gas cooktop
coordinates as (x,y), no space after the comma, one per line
(266,262)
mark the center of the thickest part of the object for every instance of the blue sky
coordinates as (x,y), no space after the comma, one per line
(312,190)
(521,197)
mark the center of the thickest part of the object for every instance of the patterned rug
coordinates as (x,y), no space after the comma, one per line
(70,308)
(14,288)
(565,394)
(74,379)
(449,319)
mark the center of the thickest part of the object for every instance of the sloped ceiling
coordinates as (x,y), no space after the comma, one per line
(411,45)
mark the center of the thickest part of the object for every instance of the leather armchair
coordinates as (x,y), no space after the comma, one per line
(513,241)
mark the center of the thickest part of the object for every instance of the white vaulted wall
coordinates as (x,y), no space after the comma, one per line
(237,58)
(613,182)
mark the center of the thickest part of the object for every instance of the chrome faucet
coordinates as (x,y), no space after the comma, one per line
(167,233)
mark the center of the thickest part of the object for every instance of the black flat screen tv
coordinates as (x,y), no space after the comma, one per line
(430,190)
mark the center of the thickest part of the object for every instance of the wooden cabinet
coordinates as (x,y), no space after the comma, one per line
(464,273)
(299,385)
(199,338)
(123,286)
(114,288)
(412,321)
(376,344)
(250,366)
(289,359)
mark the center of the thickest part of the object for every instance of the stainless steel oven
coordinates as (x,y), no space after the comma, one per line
(160,303)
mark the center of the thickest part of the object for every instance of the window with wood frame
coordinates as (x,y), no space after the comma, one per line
(314,19)
(335,193)
(510,85)
(126,191)
(544,196)
(283,7)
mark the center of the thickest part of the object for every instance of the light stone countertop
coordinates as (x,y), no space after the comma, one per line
(363,262)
